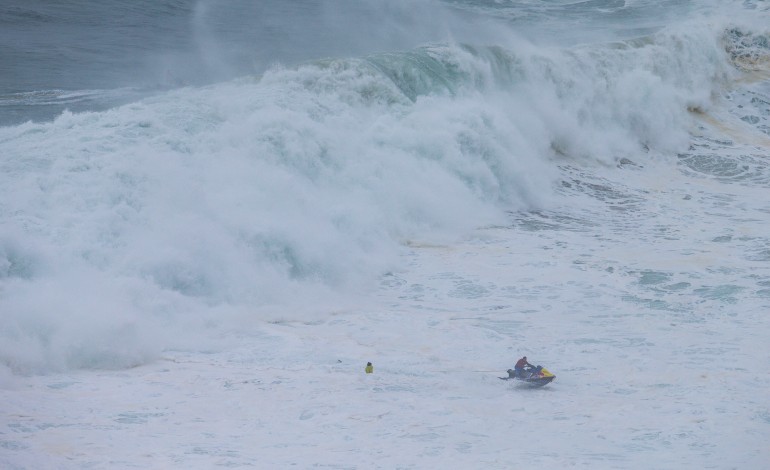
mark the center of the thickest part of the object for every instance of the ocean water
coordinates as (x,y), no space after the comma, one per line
(214,214)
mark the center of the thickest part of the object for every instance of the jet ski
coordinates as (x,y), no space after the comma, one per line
(532,376)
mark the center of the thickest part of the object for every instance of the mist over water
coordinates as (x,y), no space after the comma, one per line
(284,155)
(79,56)
(214,214)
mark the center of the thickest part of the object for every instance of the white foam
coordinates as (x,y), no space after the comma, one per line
(201,277)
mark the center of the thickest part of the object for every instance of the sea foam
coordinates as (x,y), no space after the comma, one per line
(287,195)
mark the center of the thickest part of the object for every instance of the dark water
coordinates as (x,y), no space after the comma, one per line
(85,55)
(114,51)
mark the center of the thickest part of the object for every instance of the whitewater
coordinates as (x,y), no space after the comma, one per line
(212,216)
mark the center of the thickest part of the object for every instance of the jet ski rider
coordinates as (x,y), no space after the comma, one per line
(520,365)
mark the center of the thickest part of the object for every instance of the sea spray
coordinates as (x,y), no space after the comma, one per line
(175,220)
